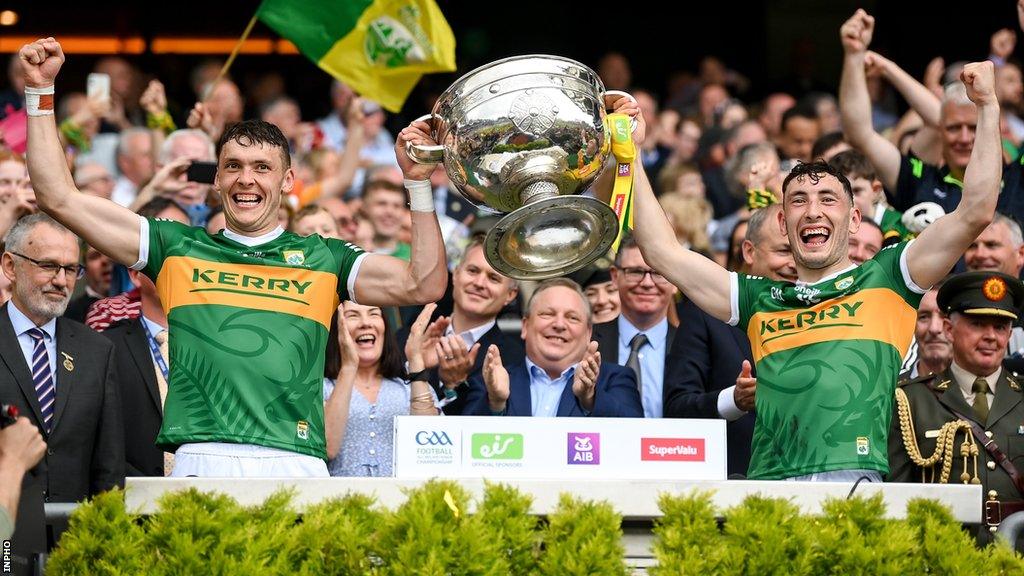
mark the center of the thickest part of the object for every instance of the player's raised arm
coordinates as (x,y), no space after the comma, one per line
(112,229)
(942,243)
(701,279)
(389,281)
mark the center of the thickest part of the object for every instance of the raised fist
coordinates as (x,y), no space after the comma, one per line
(979,78)
(40,62)
(856,32)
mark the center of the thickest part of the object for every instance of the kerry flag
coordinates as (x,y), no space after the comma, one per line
(378,47)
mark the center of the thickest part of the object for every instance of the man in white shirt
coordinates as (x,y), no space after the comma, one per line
(641,336)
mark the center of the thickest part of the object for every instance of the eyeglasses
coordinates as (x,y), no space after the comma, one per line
(52,268)
(636,275)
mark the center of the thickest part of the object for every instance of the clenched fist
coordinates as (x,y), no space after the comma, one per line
(856,32)
(40,62)
(979,78)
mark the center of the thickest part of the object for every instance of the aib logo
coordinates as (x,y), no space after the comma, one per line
(584,448)
(425,438)
(497,446)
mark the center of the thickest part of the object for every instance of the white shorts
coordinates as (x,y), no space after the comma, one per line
(840,476)
(225,460)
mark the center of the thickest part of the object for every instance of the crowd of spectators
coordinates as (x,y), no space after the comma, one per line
(617,339)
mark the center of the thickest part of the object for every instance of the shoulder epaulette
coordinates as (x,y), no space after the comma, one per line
(930,380)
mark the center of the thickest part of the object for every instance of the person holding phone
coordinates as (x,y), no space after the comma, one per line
(186,166)
(249,308)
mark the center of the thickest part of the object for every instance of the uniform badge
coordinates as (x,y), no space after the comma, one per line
(862,446)
(844,283)
(302,430)
(69,362)
(294,257)
(994,289)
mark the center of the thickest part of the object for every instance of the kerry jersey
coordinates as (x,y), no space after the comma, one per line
(828,355)
(248,327)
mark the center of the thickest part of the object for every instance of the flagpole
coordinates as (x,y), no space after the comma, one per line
(231,59)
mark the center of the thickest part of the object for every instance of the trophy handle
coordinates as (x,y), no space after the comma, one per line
(421,154)
(620,94)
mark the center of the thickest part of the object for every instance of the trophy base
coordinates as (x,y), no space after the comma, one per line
(551,237)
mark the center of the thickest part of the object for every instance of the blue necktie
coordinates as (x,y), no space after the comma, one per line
(42,377)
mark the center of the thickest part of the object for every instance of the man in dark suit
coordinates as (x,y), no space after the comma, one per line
(72,396)
(58,373)
(563,374)
(707,354)
(975,401)
(641,336)
(479,293)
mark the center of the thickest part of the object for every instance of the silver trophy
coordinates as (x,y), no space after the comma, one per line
(523,137)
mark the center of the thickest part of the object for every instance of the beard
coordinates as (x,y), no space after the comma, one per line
(38,303)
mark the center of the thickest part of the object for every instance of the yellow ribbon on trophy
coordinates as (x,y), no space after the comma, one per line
(621,129)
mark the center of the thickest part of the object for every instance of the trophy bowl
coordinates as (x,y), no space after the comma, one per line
(524,137)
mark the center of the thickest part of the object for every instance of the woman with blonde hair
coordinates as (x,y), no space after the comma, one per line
(689,218)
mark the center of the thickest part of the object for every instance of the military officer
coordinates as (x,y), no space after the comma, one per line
(975,408)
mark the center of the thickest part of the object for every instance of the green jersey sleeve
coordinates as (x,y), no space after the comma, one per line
(746,292)
(349,258)
(164,235)
(892,261)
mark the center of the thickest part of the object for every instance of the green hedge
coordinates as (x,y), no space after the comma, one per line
(200,533)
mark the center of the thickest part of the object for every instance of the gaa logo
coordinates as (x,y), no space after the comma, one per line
(433,438)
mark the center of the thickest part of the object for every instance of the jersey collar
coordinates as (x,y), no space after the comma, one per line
(827,278)
(251,241)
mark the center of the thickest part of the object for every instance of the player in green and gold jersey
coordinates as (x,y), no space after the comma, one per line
(828,347)
(249,309)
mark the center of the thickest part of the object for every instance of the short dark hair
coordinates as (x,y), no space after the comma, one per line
(391,364)
(253,132)
(157,205)
(628,242)
(825,143)
(381,184)
(815,171)
(854,164)
(798,111)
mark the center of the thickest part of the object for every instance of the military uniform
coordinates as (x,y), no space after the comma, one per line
(932,410)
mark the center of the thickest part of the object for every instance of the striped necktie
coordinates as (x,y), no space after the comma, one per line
(42,377)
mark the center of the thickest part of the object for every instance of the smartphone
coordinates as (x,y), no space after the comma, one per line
(202,172)
(98,86)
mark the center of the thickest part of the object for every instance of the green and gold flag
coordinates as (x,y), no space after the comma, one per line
(378,47)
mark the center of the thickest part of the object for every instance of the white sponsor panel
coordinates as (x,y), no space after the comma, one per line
(519,447)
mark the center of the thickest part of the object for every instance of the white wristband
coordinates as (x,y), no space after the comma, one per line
(421,195)
(39,101)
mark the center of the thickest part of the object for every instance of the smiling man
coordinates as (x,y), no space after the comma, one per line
(249,308)
(563,374)
(641,336)
(827,348)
